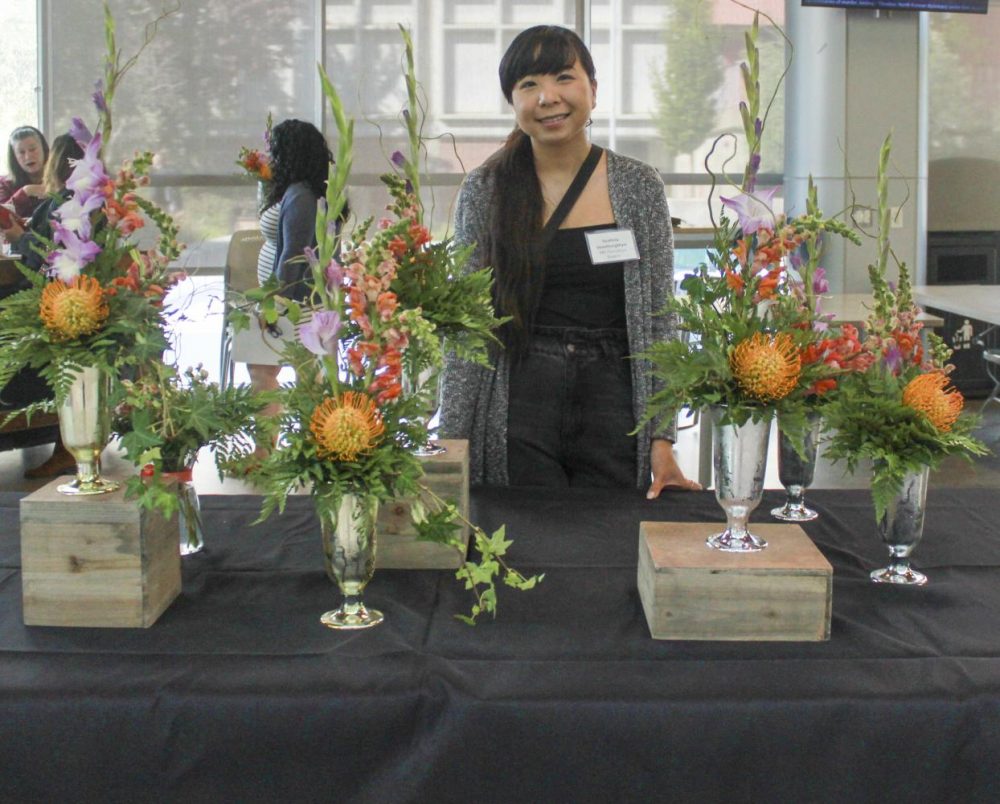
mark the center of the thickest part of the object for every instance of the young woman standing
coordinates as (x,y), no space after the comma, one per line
(580,242)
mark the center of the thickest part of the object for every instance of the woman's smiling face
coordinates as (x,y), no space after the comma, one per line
(554,108)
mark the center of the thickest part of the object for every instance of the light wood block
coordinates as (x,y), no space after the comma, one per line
(447,475)
(690,591)
(97,561)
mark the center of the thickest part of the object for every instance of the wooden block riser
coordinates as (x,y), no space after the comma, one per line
(447,476)
(97,562)
(691,592)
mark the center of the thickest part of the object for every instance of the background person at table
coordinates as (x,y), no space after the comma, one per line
(564,397)
(300,162)
(27,152)
(56,173)
(28,386)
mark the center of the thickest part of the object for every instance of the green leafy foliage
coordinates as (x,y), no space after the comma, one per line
(165,418)
(868,420)
(868,417)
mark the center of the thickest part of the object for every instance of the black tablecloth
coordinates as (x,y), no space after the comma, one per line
(238,692)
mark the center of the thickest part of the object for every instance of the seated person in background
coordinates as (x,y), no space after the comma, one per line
(57,171)
(27,153)
(28,386)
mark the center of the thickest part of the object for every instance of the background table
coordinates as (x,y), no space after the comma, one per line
(855,308)
(238,693)
(979,302)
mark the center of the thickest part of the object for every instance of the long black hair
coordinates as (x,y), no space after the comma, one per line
(17,173)
(513,246)
(298,153)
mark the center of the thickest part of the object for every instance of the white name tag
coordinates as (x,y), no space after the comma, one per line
(611,245)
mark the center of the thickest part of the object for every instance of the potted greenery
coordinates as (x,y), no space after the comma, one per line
(164,419)
(900,412)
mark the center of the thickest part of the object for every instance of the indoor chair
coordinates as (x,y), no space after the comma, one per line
(239,277)
(991,356)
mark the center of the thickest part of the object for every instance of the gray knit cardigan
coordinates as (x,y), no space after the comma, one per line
(474,398)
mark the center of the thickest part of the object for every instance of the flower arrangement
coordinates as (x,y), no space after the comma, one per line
(759,340)
(898,410)
(256,163)
(99,299)
(382,298)
(166,417)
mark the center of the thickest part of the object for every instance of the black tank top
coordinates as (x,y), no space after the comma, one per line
(576,292)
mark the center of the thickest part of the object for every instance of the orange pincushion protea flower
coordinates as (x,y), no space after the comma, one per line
(346,427)
(929,395)
(71,310)
(766,367)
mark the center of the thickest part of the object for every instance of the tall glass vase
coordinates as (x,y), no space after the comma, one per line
(427,384)
(349,553)
(188,511)
(796,471)
(85,425)
(901,528)
(739,458)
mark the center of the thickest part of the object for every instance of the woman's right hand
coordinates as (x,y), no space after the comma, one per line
(35,190)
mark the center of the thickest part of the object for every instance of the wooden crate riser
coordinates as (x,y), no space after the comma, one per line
(447,476)
(691,592)
(97,562)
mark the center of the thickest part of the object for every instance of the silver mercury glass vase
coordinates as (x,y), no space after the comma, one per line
(739,458)
(901,528)
(84,426)
(796,471)
(349,554)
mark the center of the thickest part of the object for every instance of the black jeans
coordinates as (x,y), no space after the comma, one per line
(570,410)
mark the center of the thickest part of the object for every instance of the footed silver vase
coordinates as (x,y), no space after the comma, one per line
(901,528)
(796,472)
(84,426)
(739,458)
(349,553)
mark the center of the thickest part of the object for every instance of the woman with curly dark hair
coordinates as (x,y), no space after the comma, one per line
(300,164)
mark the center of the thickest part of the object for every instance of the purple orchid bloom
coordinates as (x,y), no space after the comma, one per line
(398,159)
(79,132)
(753,211)
(320,334)
(75,214)
(88,176)
(820,285)
(98,97)
(67,262)
(893,359)
(334,275)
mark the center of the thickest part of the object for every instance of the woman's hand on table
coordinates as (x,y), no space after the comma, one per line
(666,472)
